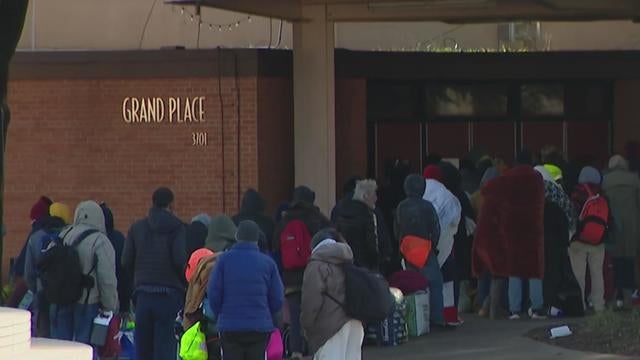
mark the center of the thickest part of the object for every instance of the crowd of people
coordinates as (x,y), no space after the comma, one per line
(537,230)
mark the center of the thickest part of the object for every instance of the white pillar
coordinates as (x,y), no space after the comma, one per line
(314,105)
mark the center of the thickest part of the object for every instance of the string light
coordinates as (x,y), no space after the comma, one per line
(220,26)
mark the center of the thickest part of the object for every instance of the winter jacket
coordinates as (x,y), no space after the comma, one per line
(20,264)
(35,245)
(553,192)
(245,290)
(125,280)
(311,216)
(357,222)
(222,234)
(622,188)
(155,251)
(556,255)
(509,238)
(449,211)
(415,215)
(197,290)
(321,317)
(386,244)
(252,208)
(95,247)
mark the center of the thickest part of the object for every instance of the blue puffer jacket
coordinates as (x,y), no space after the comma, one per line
(245,290)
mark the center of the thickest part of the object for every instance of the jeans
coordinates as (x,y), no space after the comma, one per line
(155,318)
(296,341)
(432,272)
(515,294)
(244,345)
(73,322)
(484,285)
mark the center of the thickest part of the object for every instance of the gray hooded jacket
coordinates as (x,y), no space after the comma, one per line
(89,216)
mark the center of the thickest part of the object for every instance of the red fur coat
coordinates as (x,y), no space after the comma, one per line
(509,239)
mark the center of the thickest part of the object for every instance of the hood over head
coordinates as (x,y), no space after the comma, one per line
(252,203)
(163,221)
(333,252)
(222,233)
(203,218)
(414,186)
(90,214)
(546,175)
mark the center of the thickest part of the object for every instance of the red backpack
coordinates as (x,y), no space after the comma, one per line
(593,220)
(295,245)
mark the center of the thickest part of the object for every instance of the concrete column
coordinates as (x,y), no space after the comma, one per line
(314,105)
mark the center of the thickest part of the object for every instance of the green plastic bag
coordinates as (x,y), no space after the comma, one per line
(193,344)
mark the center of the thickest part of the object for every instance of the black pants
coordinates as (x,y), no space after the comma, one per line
(244,345)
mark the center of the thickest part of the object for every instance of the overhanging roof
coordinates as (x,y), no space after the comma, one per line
(457,11)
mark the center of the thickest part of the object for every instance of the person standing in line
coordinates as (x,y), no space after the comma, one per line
(622,187)
(302,217)
(331,333)
(416,218)
(155,253)
(246,293)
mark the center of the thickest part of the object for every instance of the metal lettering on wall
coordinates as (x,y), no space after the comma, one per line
(172,110)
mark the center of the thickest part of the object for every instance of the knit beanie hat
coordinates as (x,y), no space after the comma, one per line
(40,208)
(162,197)
(61,211)
(589,175)
(433,172)
(248,231)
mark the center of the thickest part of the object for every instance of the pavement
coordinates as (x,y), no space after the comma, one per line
(482,339)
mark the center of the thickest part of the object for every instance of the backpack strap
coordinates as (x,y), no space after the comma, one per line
(85,234)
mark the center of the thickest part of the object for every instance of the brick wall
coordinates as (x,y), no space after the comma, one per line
(68,140)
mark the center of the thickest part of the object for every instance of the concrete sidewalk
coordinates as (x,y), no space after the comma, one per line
(482,339)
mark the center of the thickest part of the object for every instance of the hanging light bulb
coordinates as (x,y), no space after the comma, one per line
(220,28)
(237,23)
(229,28)
(210,27)
(250,20)
(182,10)
(191,18)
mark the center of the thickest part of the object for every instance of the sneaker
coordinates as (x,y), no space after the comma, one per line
(619,305)
(635,295)
(536,315)
(514,316)
(296,356)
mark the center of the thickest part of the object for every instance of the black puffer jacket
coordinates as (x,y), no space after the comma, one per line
(416,216)
(252,208)
(355,221)
(315,221)
(155,251)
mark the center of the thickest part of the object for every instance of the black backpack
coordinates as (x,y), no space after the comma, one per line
(61,272)
(367,295)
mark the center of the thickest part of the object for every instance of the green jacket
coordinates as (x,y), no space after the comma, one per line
(622,188)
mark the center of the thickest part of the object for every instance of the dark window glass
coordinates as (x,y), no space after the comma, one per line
(467,100)
(542,100)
